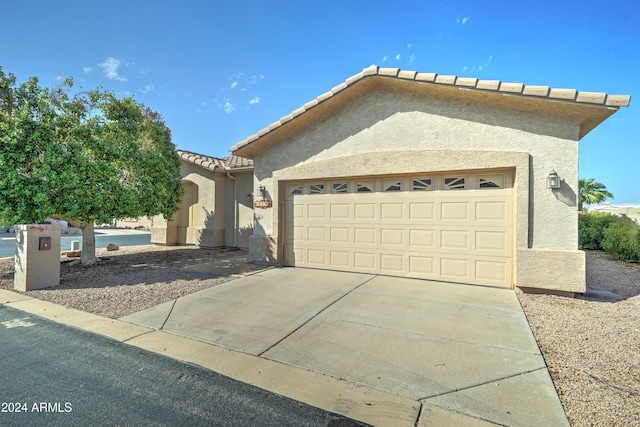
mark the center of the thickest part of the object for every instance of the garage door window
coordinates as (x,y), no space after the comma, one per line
(364,186)
(491,181)
(454,183)
(296,190)
(395,185)
(316,189)
(422,184)
(340,187)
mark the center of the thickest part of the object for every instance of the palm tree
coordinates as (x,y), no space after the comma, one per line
(592,192)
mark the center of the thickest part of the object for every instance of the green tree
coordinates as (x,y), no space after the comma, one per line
(84,158)
(592,192)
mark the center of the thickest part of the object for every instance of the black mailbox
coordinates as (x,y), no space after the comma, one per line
(45,243)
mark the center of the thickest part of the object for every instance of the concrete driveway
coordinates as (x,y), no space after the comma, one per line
(384,350)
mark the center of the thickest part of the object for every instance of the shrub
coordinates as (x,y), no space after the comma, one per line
(621,241)
(591,226)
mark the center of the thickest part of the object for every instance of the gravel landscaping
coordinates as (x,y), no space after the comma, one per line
(590,343)
(129,280)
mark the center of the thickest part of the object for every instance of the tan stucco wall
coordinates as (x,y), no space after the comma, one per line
(214,226)
(394,131)
(202,232)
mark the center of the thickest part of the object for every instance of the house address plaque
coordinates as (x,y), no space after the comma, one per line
(262,204)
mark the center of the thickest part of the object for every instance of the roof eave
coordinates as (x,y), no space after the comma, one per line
(247,148)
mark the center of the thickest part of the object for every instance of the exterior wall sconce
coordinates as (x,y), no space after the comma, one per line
(553,180)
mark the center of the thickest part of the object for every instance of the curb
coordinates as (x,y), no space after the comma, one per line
(323,391)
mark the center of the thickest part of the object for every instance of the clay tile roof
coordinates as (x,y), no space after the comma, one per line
(213,163)
(540,92)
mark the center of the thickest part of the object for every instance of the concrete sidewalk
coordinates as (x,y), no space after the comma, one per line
(383,350)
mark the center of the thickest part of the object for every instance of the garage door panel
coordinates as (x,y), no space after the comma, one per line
(316,257)
(491,241)
(340,235)
(454,211)
(492,271)
(454,239)
(391,211)
(365,261)
(316,211)
(491,211)
(364,236)
(423,266)
(391,263)
(461,235)
(339,211)
(316,234)
(422,211)
(454,268)
(296,211)
(422,238)
(392,236)
(298,233)
(364,211)
(340,259)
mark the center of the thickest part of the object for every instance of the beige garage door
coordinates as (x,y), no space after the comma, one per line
(453,227)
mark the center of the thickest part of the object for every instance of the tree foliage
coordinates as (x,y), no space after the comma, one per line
(86,158)
(592,192)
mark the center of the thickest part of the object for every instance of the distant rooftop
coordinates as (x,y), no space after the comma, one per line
(211,163)
(613,206)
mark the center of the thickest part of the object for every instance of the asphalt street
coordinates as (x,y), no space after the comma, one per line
(54,375)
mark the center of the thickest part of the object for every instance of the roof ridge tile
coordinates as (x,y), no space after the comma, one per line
(446,79)
(497,86)
(391,72)
(511,87)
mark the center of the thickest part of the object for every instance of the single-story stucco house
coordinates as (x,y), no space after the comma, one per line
(427,176)
(217,206)
(625,210)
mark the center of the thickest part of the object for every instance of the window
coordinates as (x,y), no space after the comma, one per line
(317,188)
(395,185)
(364,186)
(296,190)
(422,184)
(454,183)
(340,187)
(491,181)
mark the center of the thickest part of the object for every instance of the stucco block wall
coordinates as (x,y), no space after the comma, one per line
(550,269)
(36,267)
(395,131)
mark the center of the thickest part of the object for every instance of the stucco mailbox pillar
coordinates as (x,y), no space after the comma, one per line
(37,260)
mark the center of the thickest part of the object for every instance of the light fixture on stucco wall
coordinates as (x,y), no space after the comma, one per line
(553,180)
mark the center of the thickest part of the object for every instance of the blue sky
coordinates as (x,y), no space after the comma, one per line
(221,70)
